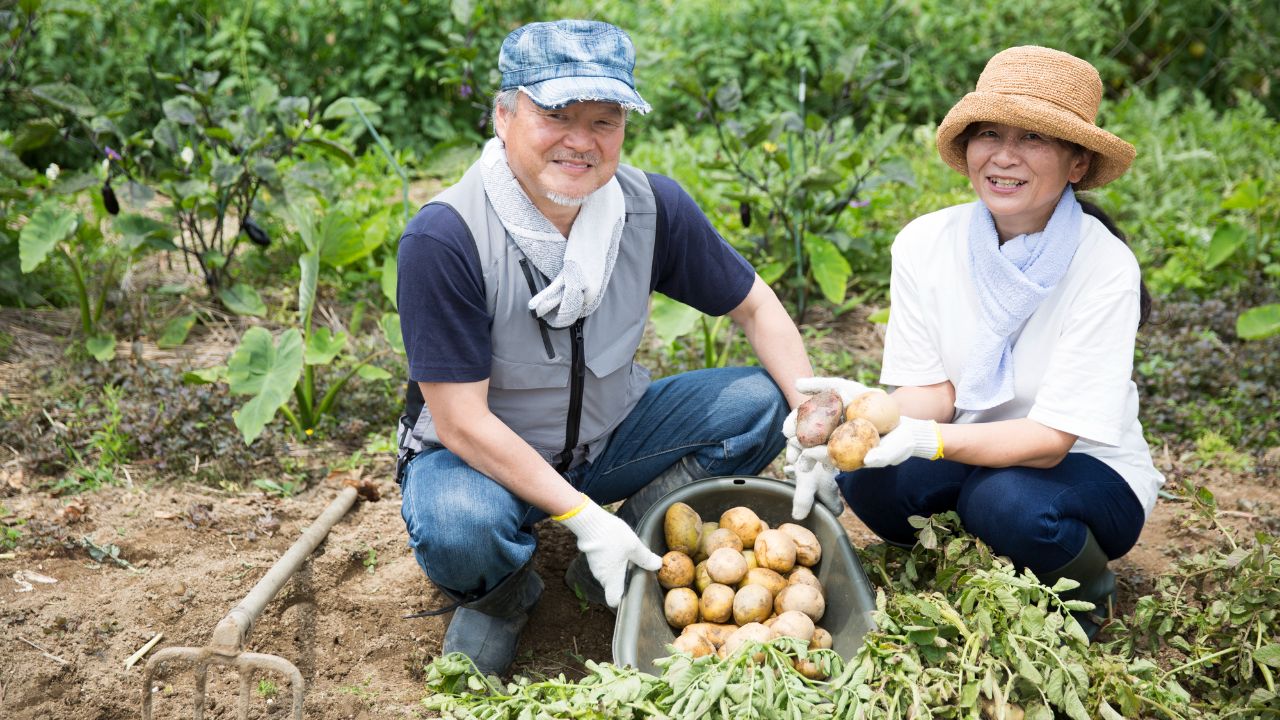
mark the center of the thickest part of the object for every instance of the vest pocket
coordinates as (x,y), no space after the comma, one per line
(605,361)
(524,376)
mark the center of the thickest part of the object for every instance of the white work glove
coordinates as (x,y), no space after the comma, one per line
(847,389)
(912,438)
(609,544)
(815,477)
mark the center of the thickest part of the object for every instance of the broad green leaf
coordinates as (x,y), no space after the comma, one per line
(12,166)
(463,11)
(101,347)
(1268,655)
(70,183)
(828,266)
(65,96)
(181,109)
(242,299)
(205,376)
(391,330)
(176,330)
(323,345)
(34,134)
(51,224)
(309,265)
(1247,196)
(138,230)
(333,149)
(341,241)
(268,372)
(373,372)
(345,107)
(1106,712)
(1227,238)
(1259,323)
(672,319)
(389,275)
(879,317)
(770,272)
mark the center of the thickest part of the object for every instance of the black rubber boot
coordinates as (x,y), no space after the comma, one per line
(686,470)
(488,628)
(1097,584)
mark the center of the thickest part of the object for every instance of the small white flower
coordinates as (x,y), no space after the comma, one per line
(52,171)
(106,166)
(188,155)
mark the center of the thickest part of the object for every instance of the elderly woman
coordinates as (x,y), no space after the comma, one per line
(1010,341)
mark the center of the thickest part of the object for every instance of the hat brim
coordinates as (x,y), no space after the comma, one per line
(1111,155)
(561,91)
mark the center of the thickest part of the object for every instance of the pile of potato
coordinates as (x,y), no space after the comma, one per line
(738,580)
(848,432)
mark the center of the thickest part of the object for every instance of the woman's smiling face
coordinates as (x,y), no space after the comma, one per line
(1020,174)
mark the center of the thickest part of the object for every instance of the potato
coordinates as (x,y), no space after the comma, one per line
(717,633)
(809,669)
(808,551)
(751,632)
(771,580)
(750,557)
(821,640)
(877,407)
(800,597)
(803,575)
(677,570)
(794,623)
(726,566)
(752,604)
(716,604)
(850,442)
(721,538)
(696,644)
(680,607)
(775,550)
(743,522)
(707,529)
(817,417)
(683,528)
(701,578)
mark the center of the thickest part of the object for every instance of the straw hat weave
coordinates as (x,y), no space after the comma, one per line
(1044,90)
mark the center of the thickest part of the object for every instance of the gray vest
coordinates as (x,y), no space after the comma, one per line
(529,387)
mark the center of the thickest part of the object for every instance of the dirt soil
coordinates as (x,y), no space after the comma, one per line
(193,552)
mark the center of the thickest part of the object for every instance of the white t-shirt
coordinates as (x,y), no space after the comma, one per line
(1072,359)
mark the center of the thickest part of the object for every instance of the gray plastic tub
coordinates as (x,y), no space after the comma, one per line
(641,633)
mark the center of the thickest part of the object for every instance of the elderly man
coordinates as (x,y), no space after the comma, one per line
(523,292)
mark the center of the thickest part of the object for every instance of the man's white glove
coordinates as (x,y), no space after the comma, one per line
(609,544)
(912,438)
(847,389)
(815,477)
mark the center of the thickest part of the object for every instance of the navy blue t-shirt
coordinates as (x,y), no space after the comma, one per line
(441,296)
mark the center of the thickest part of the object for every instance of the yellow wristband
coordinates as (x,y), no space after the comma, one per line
(570,513)
(937,431)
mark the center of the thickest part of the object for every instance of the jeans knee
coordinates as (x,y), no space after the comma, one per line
(878,501)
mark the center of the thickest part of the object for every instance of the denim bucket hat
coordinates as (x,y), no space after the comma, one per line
(567,61)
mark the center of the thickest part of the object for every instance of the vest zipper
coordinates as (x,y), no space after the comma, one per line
(542,324)
(577,378)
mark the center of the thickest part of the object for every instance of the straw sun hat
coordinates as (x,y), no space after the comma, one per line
(1039,89)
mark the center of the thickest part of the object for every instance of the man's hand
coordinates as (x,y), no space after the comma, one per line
(912,438)
(847,389)
(610,545)
(815,477)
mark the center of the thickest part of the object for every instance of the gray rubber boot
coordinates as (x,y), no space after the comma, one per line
(1097,584)
(487,629)
(686,470)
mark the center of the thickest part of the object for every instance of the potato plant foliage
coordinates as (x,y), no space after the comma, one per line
(961,634)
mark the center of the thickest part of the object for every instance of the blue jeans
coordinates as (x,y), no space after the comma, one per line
(468,532)
(1036,517)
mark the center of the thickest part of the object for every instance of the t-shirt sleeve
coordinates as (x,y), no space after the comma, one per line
(692,263)
(1086,384)
(441,298)
(911,355)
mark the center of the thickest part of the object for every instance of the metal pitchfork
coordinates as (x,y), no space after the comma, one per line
(227,645)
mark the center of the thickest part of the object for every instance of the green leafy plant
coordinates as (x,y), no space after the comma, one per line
(10,535)
(281,488)
(267,689)
(797,173)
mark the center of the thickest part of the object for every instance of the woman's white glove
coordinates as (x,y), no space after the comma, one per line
(609,544)
(912,438)
(815,477)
